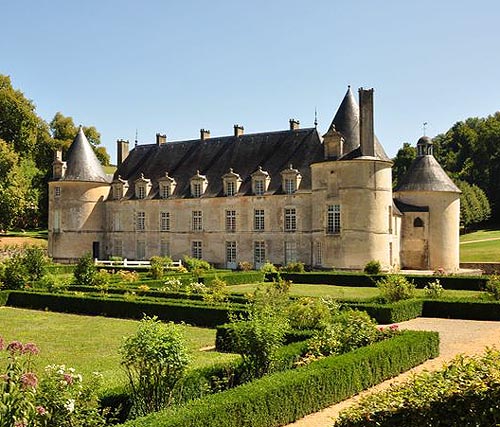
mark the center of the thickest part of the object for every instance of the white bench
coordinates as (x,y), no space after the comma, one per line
(126,263)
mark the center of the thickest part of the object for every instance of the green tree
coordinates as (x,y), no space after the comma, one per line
(474,205)
(85,272)
(402,162)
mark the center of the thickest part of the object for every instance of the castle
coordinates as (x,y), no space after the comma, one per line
(283,196)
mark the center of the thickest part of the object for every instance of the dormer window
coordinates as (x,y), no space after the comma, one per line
(290,180)
(167,186)
(199,184)
(232,182)
(118,187)
(142,187)
(260,182)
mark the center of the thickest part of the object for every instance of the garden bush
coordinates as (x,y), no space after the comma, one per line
(196,265)
(294,267)
(396,287)
(158,266)
(85,271)
(373,267)
(433,289)
(308,313)
(493,287)
(465,393)
(395,312)
(283,397)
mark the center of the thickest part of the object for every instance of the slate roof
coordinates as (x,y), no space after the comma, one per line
(346,121)
(214,157)
(405,207)
(82,163)
(426,174)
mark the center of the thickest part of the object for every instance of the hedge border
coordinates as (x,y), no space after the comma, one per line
(284,397)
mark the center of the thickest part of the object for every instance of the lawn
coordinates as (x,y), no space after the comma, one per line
(487,250)
(347,292)
(480,235)
(89,343)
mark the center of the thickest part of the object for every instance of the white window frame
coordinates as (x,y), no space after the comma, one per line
(230,187)
(290,185)
(141,221)
(164,191)
(141,191)
(230,220)
(290,252)
(231,252)
(57,191)
(259,220)
(164,221)
(333,219)
(259,187)
(290,218)
(197,220)
(56,226)
(164,247)
(259,252)
(197,249)
(141,249)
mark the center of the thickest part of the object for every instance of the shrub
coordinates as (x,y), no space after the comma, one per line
(433,289)
(373,267)
(158,266)
(52,283)
(196,265)
(128,276)
(493,287)
(268,268)
(294,267)
(36,261)
(215,290)
(15,274)
(308,313)
(155,359)
(245,266)
(85,271)
(396,288)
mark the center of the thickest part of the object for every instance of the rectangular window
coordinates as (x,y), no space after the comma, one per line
(57,221)
(117,192)
(196,250)
(164,247)
(164,191)
(231,221)
(318,254)
(118,248)
(290,185)
(333,219)
(196,189)
(141,192)
(57,191)
(164,221)
(197,221)
(258,220)
(290,219)
(231,252)
(290,252)
(141,249)
(259,187)
(230,188)
(117,223)
(141,221)
(259,253)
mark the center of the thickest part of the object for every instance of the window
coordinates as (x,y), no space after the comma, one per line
(289,185)
(57,191)
(142,187)
(290,252)
(141,192)
(164,247)
(164,221)
(290,180)
(258,220)
(259,187)
(197,221)
(118,248)
(230,188)
(231,221)
(232,182)
(418,222)
(290,219)
(117,223)
(57,221)
(197,189)
(117,192)
(333,219)
(164,191)
(166,185)
(196,251)
(259,253)
(318,254)
(230,252)
(141,221)
(199,184)
(141,249)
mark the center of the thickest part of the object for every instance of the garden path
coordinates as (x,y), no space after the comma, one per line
(456,337)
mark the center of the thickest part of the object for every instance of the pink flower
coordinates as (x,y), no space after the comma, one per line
(40,410)
(68,379)
(394,327)
(22,423)
(381,328)
(15,347)
(29,379)
(31,348)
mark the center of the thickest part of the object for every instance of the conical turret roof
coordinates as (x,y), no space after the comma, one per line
(82,163)
(346,121)
(426,174)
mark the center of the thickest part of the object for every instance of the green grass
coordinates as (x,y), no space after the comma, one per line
(480,234)
(89,343)
(486,251)
(348,292)
(35,234)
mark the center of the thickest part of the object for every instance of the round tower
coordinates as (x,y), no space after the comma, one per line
(76,211)
(431,213)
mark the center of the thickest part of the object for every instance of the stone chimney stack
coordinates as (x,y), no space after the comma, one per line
(366,131)
(122,151)
(238,130)
(204,134)
(294,124)
(161,139)
(58,166)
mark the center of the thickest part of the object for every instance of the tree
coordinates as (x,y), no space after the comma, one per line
(402,162)
(474,205)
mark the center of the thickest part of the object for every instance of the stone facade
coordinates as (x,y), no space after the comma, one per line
(279,196)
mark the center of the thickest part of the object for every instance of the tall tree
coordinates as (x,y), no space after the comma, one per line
(402,162)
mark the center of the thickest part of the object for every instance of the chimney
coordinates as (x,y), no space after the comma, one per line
(238,130)
(58,156)
(58,166)
(161,139)
(366,133)
(122,151)
(294,124)
(204,134)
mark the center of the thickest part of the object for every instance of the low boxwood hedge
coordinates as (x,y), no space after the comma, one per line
(194,313)
(281,398)
(462,309)
(60,269)
(235,278)
(391,312)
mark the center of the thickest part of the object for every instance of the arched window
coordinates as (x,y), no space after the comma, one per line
(417,222)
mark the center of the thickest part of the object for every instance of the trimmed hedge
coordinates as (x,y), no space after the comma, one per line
(284,397)
(462,309)
(4,295)
(235,278)
(392,313)
(469,283)
(195,313)
(60,269)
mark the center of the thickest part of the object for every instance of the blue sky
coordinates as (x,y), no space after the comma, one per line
(176,67)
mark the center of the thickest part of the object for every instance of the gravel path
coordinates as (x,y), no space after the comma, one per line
(457,336)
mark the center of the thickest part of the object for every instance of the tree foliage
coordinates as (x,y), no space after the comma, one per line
(402,162)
